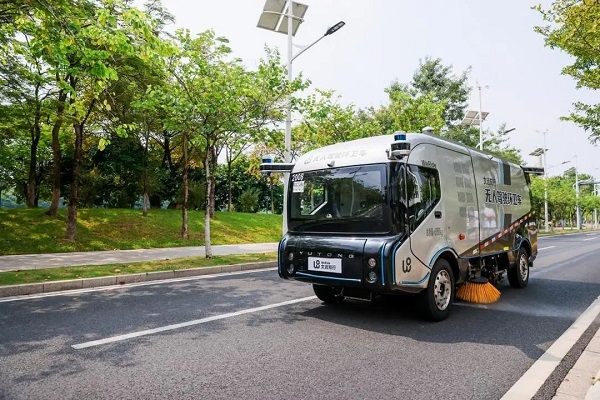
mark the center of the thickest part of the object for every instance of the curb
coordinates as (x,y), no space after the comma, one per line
(86,283)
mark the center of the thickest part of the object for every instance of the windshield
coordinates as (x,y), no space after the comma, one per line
(344,200)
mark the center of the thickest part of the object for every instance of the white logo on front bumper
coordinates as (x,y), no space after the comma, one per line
(320,264)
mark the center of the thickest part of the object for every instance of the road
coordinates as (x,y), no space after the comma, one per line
(251,335)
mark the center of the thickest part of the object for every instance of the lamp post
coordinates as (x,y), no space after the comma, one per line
(576,186)
(481,120)
(541,151)
(595,209)
(476,118)
(595,192)
(273,18)
(577,196)
(473,118)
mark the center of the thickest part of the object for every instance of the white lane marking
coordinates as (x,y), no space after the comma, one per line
(186,324)
(534,378)
(592,238)
(544,248)
(130,285)
(561,235)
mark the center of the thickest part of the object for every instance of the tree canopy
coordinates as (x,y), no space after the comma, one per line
(572,26)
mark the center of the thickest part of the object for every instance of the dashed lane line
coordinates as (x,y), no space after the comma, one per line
(147,332)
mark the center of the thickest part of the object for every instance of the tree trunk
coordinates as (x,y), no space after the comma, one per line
(207,245)
(145,196)
(213,182)
(53,210)
(229,186)
(213,189)
(32,178)
(272,199)
(184,212)
(146,205)
(73,197)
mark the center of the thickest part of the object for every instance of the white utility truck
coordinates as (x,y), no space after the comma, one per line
(405,213)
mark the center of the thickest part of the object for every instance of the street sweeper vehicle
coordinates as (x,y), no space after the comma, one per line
(407,213)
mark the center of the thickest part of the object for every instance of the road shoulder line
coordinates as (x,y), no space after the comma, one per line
(533,379)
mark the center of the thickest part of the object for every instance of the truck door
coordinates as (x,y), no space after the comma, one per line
(425,211)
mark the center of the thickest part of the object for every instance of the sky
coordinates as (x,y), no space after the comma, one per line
(383,41)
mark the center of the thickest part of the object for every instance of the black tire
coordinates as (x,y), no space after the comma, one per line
(329,294)
(437,299)
(518,276)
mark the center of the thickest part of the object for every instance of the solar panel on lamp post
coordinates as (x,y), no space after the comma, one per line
(285,16)
(541,151)
(476,118)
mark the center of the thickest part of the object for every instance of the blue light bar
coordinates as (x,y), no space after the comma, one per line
(400,136)
(267,160)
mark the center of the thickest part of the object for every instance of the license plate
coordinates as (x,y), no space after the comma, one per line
(325,264)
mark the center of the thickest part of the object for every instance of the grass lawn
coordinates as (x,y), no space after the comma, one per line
(28,231)
(93,271)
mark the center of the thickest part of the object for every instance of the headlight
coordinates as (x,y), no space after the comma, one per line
(372,262)
(290,268)
(290,256)
(372,277)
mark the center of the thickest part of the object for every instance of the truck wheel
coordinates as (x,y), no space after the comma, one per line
(519,275)
(437,299)
(329,294)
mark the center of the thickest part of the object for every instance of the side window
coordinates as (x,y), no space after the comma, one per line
(423,193)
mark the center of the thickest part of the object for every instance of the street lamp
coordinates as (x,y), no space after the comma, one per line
(495,136)
(476,118)
(541,151)
(574,169)
(285,16)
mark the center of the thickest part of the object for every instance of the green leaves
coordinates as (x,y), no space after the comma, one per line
(573,26)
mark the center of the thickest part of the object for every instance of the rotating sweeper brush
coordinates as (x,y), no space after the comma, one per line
(478,290)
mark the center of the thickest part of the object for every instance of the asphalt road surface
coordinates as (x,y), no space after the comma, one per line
(253,336)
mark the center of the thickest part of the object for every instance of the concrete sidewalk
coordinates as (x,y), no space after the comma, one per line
(583,380)
(52,260)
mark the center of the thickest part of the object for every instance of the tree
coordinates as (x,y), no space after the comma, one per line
(212,97)
(27,87)
(326,121)
(435,84)
(84,49)
(438,81)
(410,112)
(235,146)
(572,26)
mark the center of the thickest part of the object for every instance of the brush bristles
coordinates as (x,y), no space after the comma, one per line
(483,293)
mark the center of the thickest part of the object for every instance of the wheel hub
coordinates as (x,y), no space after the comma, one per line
(523,268)
(442,290)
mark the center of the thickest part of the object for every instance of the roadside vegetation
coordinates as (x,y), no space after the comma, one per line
(103,104)
(94,271)
(29,231)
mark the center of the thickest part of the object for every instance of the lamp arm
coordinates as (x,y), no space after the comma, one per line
(307,47)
